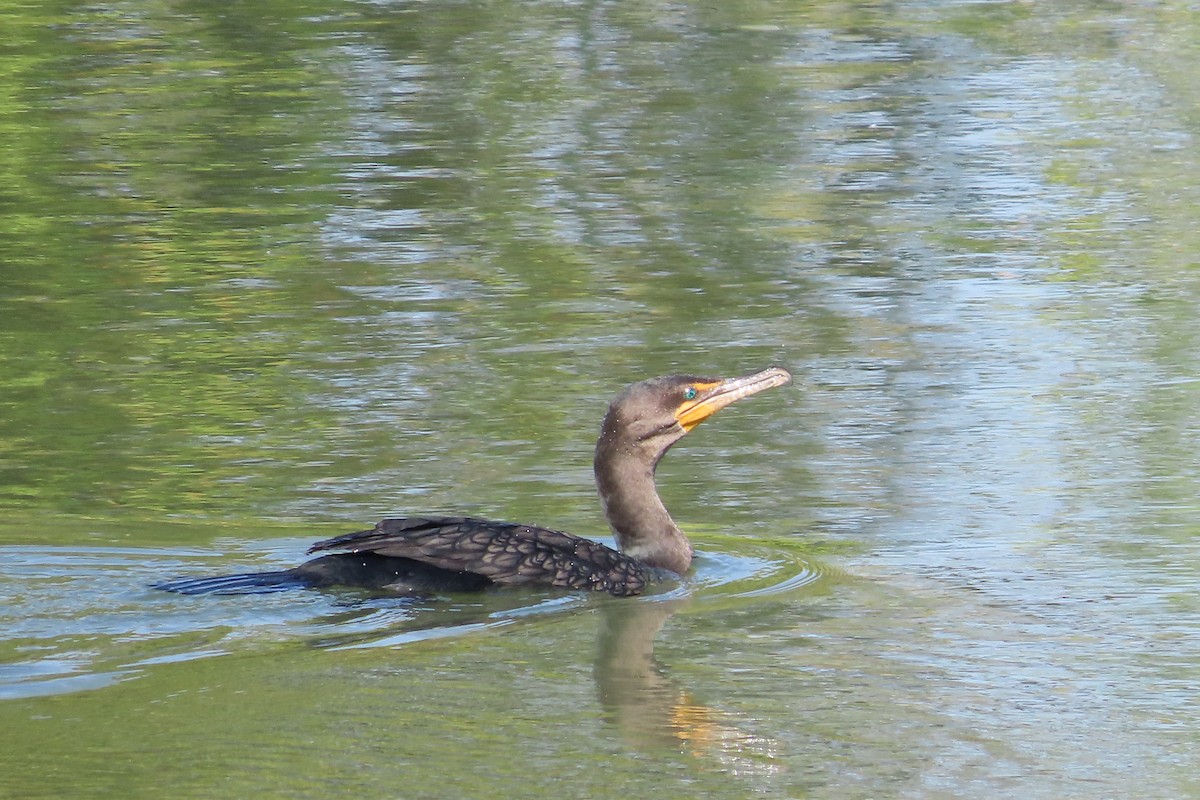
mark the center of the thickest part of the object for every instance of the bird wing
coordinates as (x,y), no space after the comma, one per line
(504,552)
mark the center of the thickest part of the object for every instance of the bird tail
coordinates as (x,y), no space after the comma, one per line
(248,583)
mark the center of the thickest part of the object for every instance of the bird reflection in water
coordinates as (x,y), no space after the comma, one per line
(651,711)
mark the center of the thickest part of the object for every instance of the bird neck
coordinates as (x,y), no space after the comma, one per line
(639,520)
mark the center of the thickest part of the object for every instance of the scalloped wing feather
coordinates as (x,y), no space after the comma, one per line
(504,552)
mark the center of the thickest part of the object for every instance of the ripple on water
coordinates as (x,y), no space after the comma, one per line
(748,576)
(718,575)
(79,619)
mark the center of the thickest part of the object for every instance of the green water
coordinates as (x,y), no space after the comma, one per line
(271,271)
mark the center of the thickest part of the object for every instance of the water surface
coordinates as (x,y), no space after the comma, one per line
(270,272)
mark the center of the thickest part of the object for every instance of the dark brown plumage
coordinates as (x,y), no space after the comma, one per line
(419,555)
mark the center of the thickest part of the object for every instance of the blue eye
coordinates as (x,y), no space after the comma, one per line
(689,393)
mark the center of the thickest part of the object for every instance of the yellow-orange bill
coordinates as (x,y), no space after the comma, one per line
(712,397)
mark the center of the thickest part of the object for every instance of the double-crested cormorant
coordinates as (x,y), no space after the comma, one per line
(415,555)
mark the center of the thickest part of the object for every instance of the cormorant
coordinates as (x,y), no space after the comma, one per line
(418,555)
